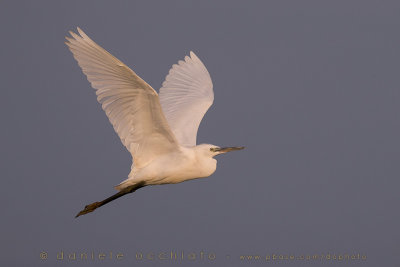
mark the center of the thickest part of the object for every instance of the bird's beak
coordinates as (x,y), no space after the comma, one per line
(221,150)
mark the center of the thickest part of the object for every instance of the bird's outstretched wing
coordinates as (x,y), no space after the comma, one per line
(131,105)
(185,97)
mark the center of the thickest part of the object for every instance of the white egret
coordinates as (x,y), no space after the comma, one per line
(158,130)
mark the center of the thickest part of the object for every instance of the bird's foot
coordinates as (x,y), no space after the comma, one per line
(88,208)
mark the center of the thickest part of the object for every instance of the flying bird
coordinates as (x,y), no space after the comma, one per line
(159,130)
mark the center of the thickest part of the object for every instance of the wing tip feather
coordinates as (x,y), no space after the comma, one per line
(192,54)
(82,33)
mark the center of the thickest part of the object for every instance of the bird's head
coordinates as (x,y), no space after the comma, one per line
(212,150)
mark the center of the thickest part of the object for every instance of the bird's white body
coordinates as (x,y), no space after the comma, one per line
(159,130)
(184,164)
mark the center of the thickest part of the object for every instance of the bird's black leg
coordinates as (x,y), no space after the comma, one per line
(95,205)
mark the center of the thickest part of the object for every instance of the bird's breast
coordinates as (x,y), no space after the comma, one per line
(173,170)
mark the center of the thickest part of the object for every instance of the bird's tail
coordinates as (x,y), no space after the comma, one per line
(125,183)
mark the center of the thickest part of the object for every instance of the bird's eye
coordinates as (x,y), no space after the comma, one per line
(212,149)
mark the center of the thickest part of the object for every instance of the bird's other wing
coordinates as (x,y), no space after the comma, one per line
(185,97)
(132,106)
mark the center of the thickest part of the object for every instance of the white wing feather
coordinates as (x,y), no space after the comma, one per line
(186,95)
(131,105)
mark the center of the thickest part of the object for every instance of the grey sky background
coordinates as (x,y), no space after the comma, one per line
(311,88)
